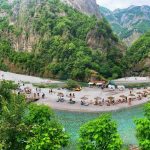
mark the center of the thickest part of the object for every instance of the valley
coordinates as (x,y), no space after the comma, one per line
(130,23)
(74,75)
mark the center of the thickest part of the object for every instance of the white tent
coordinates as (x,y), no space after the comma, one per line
(99,84)
(90,83)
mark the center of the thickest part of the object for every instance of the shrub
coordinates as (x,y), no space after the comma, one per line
(143,129)
(100,134)
(71,84)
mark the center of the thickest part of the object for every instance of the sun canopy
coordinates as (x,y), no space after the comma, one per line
(90,83)
(84,98)
(99,83)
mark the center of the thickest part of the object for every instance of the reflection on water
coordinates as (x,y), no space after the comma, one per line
(124,118)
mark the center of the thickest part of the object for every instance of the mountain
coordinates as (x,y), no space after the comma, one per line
(88,7)
(130,23)
(51,39)
(137,58)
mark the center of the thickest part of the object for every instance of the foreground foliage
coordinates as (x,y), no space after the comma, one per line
(6,88)
(143,129)
(46,132)
(29,127)
(11,127)
(100,134)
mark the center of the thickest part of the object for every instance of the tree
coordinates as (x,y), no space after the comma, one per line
(5,91)
(46,132)
(147,110)
(143,133)
(12,128)
(100,134)
(24,126)
(48,136)
(33,127)
(71,84)
(143,129)
(38,114)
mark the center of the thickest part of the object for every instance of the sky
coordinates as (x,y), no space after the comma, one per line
(114,4)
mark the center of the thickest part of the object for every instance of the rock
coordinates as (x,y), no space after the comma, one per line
(88,7)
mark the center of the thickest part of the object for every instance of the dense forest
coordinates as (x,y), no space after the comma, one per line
(137,58)
(63,47)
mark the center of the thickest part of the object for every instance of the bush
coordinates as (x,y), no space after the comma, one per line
(5,90)
(143,133)
(100,134)
(147,110)
(71,84)
(143,129)
(46,131)
(24,126)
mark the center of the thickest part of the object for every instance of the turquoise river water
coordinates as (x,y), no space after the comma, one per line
(124,118)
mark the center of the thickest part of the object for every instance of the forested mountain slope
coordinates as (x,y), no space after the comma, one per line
(137,59)
(88,7)
(129,23)
(51,39)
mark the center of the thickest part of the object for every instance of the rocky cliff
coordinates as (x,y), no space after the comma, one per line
(25,16)
(129,23)
(52,39)
(88,7)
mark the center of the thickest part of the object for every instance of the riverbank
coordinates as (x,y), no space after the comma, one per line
(51,99)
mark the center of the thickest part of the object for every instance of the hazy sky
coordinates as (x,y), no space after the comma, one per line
(114,4)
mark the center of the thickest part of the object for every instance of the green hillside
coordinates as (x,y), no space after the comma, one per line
(137,58)
(58,37)
(130,23)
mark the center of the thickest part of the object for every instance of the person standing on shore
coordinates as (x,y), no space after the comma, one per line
(129,101)
(43,96)
(51,91)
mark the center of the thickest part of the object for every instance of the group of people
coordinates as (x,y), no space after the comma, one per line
(30,94)
(100,102)
(122,99)
(38,94)
(71,96)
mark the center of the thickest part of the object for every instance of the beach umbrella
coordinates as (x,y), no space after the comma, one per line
(123,96)
(84,98)
(99,84)
(97,98)
(111,97)
(139,93)
(131,95)
(27,87)
(60,94)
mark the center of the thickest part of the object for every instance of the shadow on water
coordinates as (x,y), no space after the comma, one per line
(124,118)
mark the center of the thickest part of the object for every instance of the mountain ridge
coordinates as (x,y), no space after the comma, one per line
(89,7)
(129,23)
(51,39)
